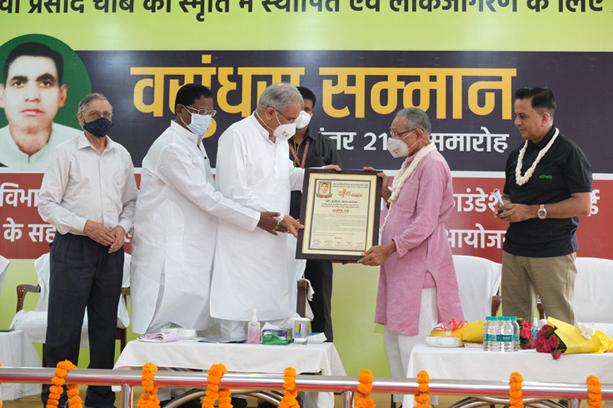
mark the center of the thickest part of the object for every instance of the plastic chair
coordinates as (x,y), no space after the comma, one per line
(34,322)
(592,301)
(478,283)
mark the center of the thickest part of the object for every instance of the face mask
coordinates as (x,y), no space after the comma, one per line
(303,120)
(284,131)
(98,127)
(199,124)
(398,148)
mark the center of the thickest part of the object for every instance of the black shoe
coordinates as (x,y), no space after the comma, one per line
(265,405)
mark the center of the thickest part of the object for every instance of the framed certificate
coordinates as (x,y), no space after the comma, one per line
(340,213)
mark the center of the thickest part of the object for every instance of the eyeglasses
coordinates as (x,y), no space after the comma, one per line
(395,134)
(285,117)
(211,112)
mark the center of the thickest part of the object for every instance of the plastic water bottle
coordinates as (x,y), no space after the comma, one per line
(489,332)
(515,333)
(253,330)
(506,334)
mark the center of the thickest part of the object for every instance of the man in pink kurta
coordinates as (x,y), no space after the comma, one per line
(417,283)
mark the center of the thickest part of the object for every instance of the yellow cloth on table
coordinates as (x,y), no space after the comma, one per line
(471,333)
(575,342)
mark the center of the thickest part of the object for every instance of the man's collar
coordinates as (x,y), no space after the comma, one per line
(185,132)
(544,140)
(261,129)
(83,142)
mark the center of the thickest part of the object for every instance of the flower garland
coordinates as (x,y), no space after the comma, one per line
(422,397)
(57,388)
(149,397)
(290,392)
(594,392)
(515,394)
(521,180)
(363,398)
(213,390)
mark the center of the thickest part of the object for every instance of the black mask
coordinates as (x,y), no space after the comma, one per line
(98,127)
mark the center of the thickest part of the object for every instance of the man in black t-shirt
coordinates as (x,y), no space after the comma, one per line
(548,186)
(312,149)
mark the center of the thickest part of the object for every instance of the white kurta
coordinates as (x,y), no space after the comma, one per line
(250,269)
(174,233)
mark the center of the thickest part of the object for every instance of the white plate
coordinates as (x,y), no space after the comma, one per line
(443,341)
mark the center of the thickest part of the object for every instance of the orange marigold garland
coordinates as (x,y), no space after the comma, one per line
(213,390)
(515,394)
(57,388)
(422,397)
(149,397)
(594,392)
(363,398)
(290,392)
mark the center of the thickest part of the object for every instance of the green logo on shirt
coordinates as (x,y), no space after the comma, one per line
(545,177)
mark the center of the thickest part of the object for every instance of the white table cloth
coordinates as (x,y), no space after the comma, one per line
(471,363)
(242,358)
(16,350)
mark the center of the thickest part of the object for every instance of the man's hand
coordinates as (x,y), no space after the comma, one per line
(268,221)
(387,182)
(510,212)
(377,254)
(120,238)
(290,225)
(335,167)
(99,233)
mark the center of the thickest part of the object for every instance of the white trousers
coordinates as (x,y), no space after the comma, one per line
(399,347)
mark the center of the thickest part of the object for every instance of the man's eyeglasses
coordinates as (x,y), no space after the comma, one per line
(395,134)
(285,117)
(211,112)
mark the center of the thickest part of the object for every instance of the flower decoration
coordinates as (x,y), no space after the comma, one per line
(57,388)
(526,338)
(290,392)
(548,342)
(594,392)
(214,391)
(149,397)
(422,397)
(515,393)
(363,398)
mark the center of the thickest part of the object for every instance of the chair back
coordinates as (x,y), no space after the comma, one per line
(593,301)
(478,280)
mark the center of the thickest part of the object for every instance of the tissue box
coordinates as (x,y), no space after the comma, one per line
(277,336)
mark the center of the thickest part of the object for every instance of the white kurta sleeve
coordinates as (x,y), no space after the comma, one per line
(55,182)
(128,196)
(177,169)
(232,172)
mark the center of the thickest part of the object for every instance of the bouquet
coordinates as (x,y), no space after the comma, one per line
(526,337)
(558,337)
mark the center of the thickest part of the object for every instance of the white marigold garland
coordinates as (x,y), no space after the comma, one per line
(521,180)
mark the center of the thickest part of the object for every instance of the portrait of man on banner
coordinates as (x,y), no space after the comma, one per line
(33,89)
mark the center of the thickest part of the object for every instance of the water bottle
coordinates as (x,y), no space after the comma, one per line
(506,334)
(516,341)
(253,329)
(489,332)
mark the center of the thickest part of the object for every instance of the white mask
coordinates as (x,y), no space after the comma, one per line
(398,148)
(303,120)
(284,131)
(199,123)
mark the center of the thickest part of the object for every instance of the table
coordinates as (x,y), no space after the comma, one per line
(472,363)
(241,358)
(16,350)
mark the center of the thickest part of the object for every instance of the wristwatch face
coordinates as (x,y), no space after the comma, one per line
(542,213)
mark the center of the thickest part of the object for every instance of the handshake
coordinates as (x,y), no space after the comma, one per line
(275,222)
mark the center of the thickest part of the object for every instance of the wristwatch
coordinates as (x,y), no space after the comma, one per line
(542,212)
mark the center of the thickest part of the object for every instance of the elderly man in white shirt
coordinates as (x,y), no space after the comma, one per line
(253,168)
(176,221)
(88,193)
